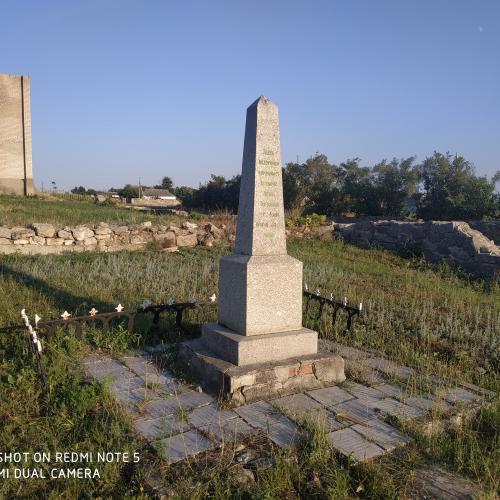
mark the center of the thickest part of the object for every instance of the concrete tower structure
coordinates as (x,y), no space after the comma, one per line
(16,171)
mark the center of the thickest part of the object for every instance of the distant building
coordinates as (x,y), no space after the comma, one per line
(16,173)
(158,194)
(152,197)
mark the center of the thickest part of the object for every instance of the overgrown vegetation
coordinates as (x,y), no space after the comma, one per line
(442,187)
(430,319)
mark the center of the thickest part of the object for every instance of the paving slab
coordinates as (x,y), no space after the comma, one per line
(389,367)
(428,403)
(478,390)
(384,435)
(395,408)
(280,429)
(209,414)
(330,396)
(107,369)
(354,445)
(229,431)
(153,429)
(437,484)
(458,395)
(128,383)
(396,391)
(147,370)
(145,394)
(363,373)
(362,391)
(127,397)
(356,411)
(300,407)
(425,403)
(296,404)
(181,446)
(350,352)
(183,402)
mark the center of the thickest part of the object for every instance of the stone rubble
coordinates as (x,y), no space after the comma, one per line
(455,242)
(43,238)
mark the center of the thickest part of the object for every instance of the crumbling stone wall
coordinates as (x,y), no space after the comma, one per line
(490,229)
(454,242)
(41,238)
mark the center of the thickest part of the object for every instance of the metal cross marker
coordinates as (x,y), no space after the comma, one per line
(65,315)
(93,311)
(170,301)
(37,319)
(213,298)
(119,308)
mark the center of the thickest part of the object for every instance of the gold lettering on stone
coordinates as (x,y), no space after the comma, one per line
(271,163)
(267,172)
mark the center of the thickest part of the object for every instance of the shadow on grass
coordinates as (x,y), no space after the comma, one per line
(163,331)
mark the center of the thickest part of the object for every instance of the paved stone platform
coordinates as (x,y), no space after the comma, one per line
(180,421)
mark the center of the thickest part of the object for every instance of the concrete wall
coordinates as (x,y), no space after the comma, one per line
(454,242)
(16,172)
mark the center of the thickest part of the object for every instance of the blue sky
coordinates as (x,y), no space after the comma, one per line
(122,89)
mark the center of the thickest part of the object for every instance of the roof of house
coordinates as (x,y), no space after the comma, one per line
(156,192)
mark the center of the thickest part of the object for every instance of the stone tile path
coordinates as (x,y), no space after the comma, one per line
(181,422)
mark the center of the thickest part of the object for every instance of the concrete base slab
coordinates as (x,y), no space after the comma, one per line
(244,350)
(243,384)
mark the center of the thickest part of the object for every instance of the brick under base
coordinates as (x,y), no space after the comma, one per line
(243,384)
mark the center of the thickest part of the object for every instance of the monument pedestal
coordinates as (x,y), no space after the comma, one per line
(240,385)
(259,348)
(243,350)
(260,294)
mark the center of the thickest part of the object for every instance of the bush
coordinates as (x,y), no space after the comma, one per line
(311,220)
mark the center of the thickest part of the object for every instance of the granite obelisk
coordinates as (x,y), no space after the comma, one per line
(259,348)
(260,285)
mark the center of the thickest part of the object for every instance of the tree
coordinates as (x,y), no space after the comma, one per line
(218,193)
(451,190)
(186,195)
(166,183)
(129,192)
(312,185)
(393,183)
(358,194)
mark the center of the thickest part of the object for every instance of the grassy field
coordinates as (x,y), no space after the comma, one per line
(16,211)
(432,320)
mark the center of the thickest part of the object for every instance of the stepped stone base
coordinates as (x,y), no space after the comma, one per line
(243,384)
(245,350)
